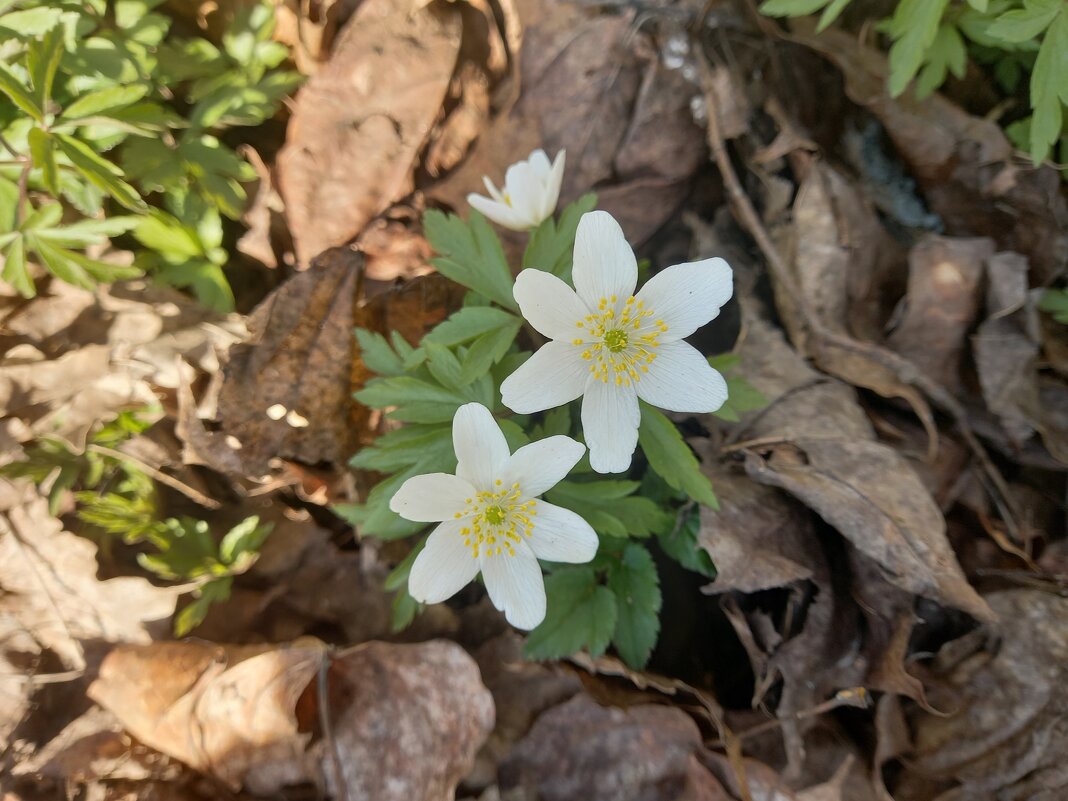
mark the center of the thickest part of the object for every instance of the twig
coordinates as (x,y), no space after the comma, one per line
(159,475)
(823,337)
(855,697)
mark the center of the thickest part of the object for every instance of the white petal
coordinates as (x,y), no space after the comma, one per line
(553,376)
(431,498)
(548,304)
(503,215)
(687,296)
(539,164)
(443,567)
(561,535)
(494,192)
(681,380)
(524,192)
(555,180)
(481,450)
(610,417)
(604,262)
(515,586)
(542,464)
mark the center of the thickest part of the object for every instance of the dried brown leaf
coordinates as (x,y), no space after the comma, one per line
(359,123)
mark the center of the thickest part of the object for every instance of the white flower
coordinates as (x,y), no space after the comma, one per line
(490,518)
(613,347)
(531,189)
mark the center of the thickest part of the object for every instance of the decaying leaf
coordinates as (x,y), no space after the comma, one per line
(245,714)
(1005,689)
(360,121)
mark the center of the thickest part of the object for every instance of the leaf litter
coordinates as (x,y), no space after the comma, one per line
(886,611)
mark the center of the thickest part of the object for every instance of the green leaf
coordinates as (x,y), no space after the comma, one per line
(913,27)
(611,507)
(31,22)
(831,13)
(634,581)
(15,272)
(207,280)
(470,254)
(104,100)
(444,366)
(9,201)
(470,323)
(43,60)
(1025,23)
(946,54)
(58,261)
(979,5)
(671,457)
(552,243)
(11,86)
(44,216)
(680,543)
(377,355)
(162,232)
(404,447)
(207,594)
(791,8)
(418,401)
(1054,302)
(580,614)
(1049,88)
(247,537)
(44,158)
(84,233)
(99,171)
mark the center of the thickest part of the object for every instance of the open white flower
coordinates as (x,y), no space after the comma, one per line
(613,347)
(531,189)
(491,519)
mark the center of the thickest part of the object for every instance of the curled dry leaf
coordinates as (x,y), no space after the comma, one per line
(244,714)
(359,123)
(1006,688)
(582,750)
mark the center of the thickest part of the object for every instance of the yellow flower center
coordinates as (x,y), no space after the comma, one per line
(497,520)
(621,339)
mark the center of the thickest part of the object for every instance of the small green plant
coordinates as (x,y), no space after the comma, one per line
(1055,303)
(103,110)
(931,39)
(116,498)
(462,363)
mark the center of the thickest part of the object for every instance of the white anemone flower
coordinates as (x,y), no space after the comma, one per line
(531,189)
(613,347)
(492,520)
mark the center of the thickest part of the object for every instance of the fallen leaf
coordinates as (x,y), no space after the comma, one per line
(361,120)
(581,750)
(626,125)
(1005,686)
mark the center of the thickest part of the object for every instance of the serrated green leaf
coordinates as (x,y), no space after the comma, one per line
(206,279)
(470,254)
(164,233)
(11,86)
(611,507)
(44,216)
(193,615)
(946,54)
(680,543)
(404,447)
(552,243)
(44,158)
(634,581)
(9,201)
(418,401)
(913,27)
(671,457)
(99,171)
(470,323)
(84,233)
(580,614)
(31,22)
(444,366)
(377,354)
(1049,87)
(1025,23)
(247,537)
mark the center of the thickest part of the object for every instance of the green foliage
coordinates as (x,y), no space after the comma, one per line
(581,613)
(1055,303)
(931,39)
(114,498)
(611,507)
(741,395)
(633,580)
(551,243)
(104,109)
(671,458)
